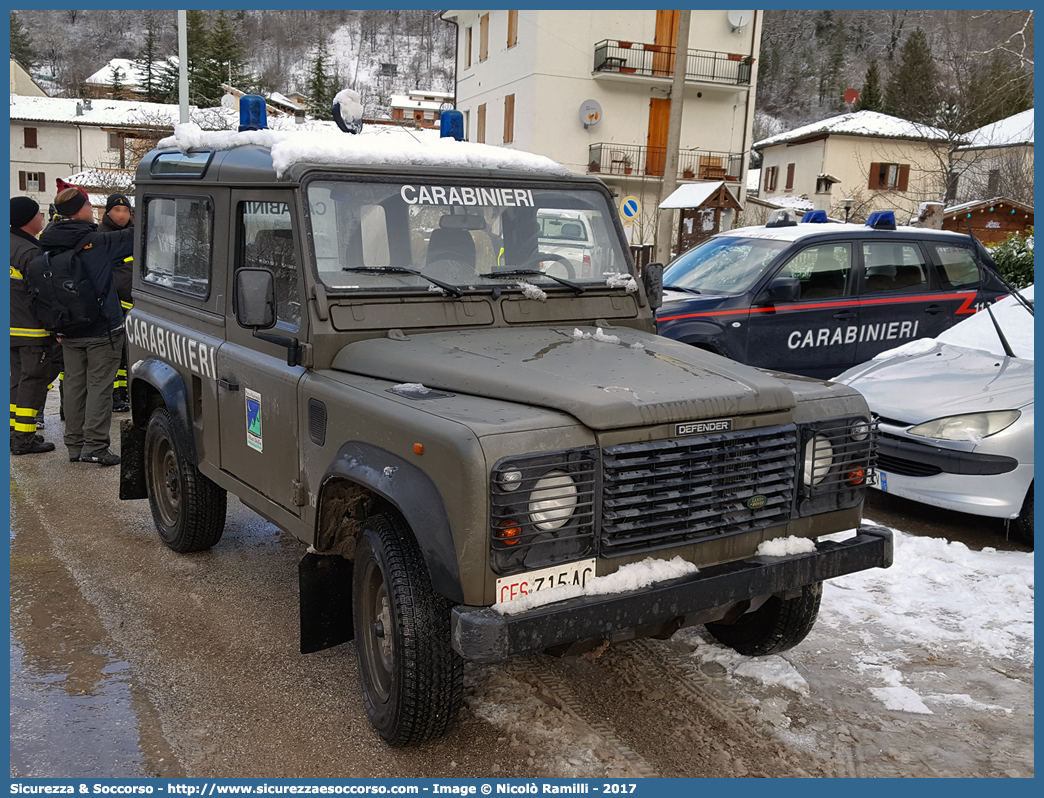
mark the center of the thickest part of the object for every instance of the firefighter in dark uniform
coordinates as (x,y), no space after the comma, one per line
(32,347)
(118,216)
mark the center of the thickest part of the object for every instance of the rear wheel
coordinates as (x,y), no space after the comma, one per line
(187,508)
(777,625)
(1022,527)
(412,680)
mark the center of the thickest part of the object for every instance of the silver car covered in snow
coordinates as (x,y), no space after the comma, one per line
(956,416)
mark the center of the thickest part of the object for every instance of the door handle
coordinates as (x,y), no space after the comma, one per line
(933,309)
(844,315)
(228,385)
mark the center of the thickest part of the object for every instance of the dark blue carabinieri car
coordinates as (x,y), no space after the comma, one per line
(815,298)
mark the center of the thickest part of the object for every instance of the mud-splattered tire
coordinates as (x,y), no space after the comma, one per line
(777,625)
(1022,527)
(187,508)
(412,680)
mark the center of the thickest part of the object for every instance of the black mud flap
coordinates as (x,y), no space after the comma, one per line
(326,601)
(132,461)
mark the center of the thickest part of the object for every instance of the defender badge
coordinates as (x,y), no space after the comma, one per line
(704,427)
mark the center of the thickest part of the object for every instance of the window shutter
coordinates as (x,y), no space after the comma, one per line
(484,37)
(21,181)
(790,175)
(481,133)
(512,39)
(467,48)
(43,182)
(30,138)
(875,176)
(509,118)
(904,177)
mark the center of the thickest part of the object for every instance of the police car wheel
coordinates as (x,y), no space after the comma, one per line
(412,680)
(187,508)
(777,625)
(1022,527)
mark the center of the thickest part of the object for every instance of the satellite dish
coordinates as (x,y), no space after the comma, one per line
(590,113)
(740,19)
(852,96)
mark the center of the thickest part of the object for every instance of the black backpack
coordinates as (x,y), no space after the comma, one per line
(61,294)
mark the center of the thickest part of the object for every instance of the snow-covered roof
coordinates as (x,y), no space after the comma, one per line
(967,206)
(797,203)
(753,179)
(860,123)
(131,74)
(693,195)
(1009,132)
(402,101)
(424,94)
(282,99)
(377,144)
(93,178)
(114,113)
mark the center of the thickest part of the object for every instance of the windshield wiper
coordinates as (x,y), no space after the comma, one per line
(680,288)
(535,273)
(403,270)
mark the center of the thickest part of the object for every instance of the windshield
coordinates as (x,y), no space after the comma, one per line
(725,265)
(376,235)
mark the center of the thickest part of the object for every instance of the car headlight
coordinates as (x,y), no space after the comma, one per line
(819,454)
(968,427)
(552,501)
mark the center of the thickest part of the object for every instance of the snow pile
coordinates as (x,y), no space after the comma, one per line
(782,547)
(598,335)
(771,670)
(348,105)
(637,345)
(625,281)
(532,292)
(895,696)
(412,387)
(376,145)
(631,577)
(940,594)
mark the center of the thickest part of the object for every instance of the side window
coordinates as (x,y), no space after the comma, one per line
(893,266)
(823,270)
(266,240)
(178,243)
(956,266)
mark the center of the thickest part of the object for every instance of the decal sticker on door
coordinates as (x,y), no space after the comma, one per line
(253,420)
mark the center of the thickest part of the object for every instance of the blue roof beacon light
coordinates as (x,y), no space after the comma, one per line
(815,217)
(252,114)
(451,124)
(881,220)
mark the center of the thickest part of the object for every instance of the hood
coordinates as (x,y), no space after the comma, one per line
(944,380)
(638,379)
(66,234)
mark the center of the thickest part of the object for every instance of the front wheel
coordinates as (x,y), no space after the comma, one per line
(1022,527)
(187,508)
(775,626)
(412,680)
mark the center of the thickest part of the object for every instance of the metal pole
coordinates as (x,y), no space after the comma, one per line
(183,66)
(665,227)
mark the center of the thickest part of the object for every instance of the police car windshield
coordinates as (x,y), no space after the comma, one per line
(723,265)
(377,235)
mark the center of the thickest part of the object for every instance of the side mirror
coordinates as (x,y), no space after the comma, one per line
(652,279)
(255,298)
(781,289)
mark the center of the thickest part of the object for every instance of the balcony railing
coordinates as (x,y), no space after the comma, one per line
(631,159)
(657,60)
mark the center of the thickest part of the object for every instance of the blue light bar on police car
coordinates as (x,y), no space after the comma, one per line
(815,217)
(881,220)
(252,114)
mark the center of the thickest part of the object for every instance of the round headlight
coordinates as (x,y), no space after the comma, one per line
(860,429)
(818,456)
(509,478)
(552,501)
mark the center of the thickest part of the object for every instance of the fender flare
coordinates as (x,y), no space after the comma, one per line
(170,385)
(415,496)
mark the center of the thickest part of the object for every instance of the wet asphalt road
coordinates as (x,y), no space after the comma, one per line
(130,660)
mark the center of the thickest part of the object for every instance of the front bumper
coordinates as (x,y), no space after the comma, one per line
(481,634)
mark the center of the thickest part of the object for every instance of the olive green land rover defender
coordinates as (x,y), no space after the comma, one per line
(359,336)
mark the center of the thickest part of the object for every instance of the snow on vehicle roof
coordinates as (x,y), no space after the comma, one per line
(382,145)
(804,230)
(860,123)
(978,332)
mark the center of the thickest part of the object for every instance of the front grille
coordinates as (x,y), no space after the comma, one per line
(891,464)
(667,493)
